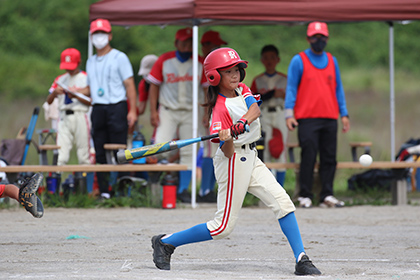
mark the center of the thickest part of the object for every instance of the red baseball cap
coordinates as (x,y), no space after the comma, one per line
(70,59)
(100,25)
(317,27)
(212,37)
(183,34)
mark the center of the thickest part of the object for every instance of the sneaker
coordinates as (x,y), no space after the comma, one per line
(28,198)
(331,202)
(162,252)
(211,197)
(305,267)
(305,202)
(184,197)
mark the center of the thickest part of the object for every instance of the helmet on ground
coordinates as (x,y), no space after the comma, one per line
(222,58)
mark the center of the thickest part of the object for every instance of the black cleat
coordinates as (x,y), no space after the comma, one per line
(184,197)
(28,198)
(305,267)
(162,252)
(211,197)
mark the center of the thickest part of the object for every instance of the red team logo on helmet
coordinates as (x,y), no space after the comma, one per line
(222,58)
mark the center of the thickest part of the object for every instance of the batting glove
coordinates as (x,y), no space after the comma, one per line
(238,128)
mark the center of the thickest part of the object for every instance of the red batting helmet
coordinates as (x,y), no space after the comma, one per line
(222,58)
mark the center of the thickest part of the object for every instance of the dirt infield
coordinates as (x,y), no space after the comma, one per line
(363,242)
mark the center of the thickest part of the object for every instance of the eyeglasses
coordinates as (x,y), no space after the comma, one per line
(318,36)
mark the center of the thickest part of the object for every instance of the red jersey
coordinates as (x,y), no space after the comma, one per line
(316,95)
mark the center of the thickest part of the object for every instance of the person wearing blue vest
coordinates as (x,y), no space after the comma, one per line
(314,101)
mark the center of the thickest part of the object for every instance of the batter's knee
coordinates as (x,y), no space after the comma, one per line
(219,230)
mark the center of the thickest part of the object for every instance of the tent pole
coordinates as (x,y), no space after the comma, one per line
(90,46)
(195,116)
(392,88)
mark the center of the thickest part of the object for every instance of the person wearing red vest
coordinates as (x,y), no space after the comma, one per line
(314,101)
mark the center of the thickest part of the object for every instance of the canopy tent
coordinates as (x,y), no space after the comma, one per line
(251,12)
(223,12)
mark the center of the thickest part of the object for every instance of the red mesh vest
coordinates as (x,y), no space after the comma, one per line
(316,95)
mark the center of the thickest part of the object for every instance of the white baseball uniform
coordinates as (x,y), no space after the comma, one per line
(174,79)
(244,171)
(73,124)
(272,111)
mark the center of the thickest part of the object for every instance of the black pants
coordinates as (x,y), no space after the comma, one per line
(109,125)
(317,135)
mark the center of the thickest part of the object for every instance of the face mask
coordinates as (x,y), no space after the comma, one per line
(185,55)
(100,40)
(319,45)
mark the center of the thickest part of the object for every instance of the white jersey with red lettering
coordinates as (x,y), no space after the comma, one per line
(175,79)
(244,171)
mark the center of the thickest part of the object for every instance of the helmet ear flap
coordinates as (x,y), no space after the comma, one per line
(213,76)
(241,74)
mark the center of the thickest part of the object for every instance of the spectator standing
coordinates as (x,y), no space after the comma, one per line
(171,85)
(271,85)
(314,100)
(73,125)
(110,84)
(209,41)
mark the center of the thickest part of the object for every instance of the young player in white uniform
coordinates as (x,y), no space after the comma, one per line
(73,126)
(272,86)
(237,167)
(171,84)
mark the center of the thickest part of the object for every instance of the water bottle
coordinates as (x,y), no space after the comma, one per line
(169,183)
(138,142)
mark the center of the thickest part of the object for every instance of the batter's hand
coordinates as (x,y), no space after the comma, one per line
(291,123)
(238,128)
(225,135)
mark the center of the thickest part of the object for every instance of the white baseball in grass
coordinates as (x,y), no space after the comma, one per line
(365,160)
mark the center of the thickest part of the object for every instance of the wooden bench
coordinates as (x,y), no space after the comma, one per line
(398,190)
(355,145)
(43,149)
(155,169)
(94,168)
(110,149)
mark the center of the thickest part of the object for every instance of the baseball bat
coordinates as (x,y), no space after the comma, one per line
(128,155)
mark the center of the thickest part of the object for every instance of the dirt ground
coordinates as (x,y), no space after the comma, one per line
(363,242)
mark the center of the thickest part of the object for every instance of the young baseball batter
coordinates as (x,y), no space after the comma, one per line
(237,167)
(26,194)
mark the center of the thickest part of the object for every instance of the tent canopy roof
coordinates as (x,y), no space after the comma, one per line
(243,12)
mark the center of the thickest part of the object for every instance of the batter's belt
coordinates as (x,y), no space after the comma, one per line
(250,145)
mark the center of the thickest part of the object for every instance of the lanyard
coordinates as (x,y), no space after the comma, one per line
(104,58)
